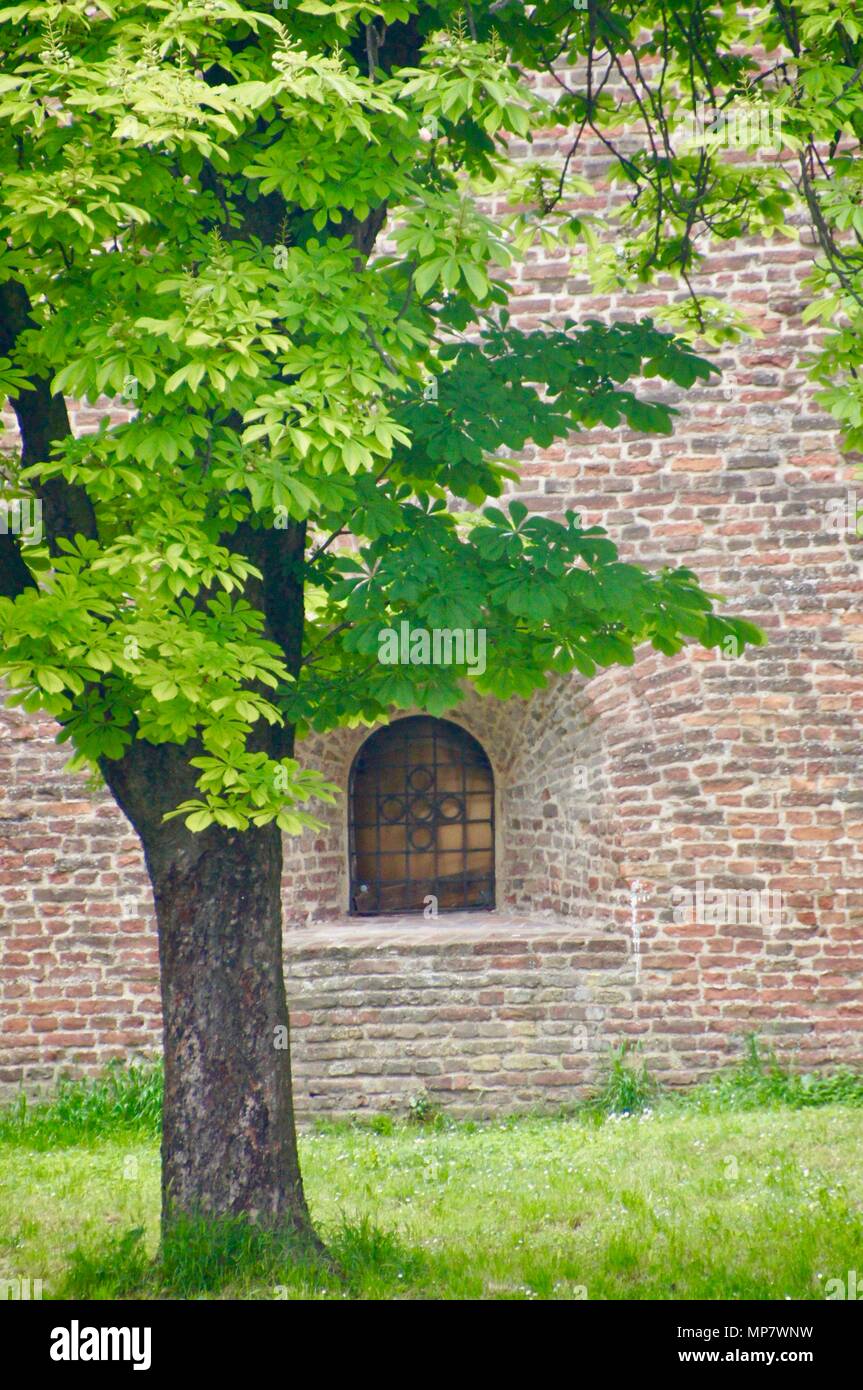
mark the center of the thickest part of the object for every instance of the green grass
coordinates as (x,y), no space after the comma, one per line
(124,1100)
(749,1187)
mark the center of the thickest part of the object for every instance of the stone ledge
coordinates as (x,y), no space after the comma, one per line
(479,931)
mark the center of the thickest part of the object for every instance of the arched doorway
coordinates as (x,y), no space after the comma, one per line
(421,819)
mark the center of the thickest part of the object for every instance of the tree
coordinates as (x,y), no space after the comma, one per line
(193,198)
(747,117)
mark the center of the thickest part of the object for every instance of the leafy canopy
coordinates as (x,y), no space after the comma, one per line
(267,234)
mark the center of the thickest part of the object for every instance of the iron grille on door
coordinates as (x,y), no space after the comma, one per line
(421,819)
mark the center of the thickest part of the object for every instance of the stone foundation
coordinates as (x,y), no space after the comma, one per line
(481,1013)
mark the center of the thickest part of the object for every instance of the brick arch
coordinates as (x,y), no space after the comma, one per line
(316,878)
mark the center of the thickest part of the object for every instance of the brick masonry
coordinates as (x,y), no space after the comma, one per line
(741,775)
(480,1017)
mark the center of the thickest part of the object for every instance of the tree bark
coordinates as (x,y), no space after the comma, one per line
(228,1137)
(229,1143)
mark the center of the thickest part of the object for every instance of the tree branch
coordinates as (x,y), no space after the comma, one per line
(43,421)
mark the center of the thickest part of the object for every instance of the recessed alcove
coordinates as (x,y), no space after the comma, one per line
(504,806)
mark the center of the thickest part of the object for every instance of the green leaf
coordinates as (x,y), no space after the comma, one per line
(165,690)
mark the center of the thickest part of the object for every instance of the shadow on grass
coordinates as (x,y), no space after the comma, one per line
(234,1258)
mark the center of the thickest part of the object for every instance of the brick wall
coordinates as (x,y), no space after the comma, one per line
(738,775)
(78,955)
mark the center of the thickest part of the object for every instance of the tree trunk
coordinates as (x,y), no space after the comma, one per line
(229,1142)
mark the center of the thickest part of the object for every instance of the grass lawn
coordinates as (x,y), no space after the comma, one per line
(728,1194)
